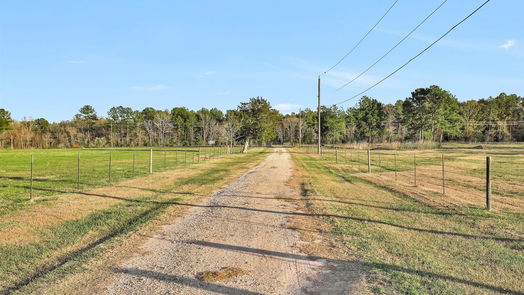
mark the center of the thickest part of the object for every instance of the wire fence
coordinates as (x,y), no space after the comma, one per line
(445,177)
(28,174)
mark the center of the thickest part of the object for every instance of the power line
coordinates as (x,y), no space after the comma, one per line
(362,39)
(396,45)
(419,54)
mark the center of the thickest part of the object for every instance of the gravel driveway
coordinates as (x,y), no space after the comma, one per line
(242,225)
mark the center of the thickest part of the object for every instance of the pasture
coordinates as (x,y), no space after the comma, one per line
(62,226)
(411,221)
(415,238)
(58,171)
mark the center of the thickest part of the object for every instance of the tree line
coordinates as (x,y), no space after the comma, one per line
(429,114)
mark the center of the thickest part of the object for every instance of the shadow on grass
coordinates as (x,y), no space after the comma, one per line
(245,195)
(61,261)
(353,264)
(365,220)
(111,196)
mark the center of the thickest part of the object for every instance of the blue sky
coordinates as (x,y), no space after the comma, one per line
(56,56)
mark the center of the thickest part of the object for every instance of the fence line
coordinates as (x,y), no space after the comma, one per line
(52,172)
(471,177)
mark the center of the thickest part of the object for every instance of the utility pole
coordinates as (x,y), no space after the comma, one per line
(318,115)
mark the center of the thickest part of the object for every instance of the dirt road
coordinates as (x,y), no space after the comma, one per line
(241,226)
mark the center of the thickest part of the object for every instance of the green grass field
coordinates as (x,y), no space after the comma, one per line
(57,233)
(415,240)
(56,170)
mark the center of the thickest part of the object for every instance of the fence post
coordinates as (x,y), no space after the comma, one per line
(443,177)
(110,163)
(150,161)
(165,162)
(133,164)
(488,183)
(185,157)
(359,163)
(415,169)
(31,179)
(336,155)
(198,159)
(395,160)
(369,161)
(78,171)
(379,162)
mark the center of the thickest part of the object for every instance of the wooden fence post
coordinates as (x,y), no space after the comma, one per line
(369,161)
(336,155)
(488,183)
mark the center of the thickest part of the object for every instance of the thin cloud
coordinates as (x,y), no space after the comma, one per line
(208,73)
(339,78)
(333,79)
(508,44)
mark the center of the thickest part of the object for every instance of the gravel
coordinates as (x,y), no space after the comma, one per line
(242,225)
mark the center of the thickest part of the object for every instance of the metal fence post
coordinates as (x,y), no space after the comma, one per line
(78,171)
(395,160)
(133,169)
(488,183)
(31,179)
(415,169)
(443,177)
(369,161)
(110,163)
(150,161)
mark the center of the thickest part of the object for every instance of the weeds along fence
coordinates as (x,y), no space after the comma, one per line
(27,174)
(446,177)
